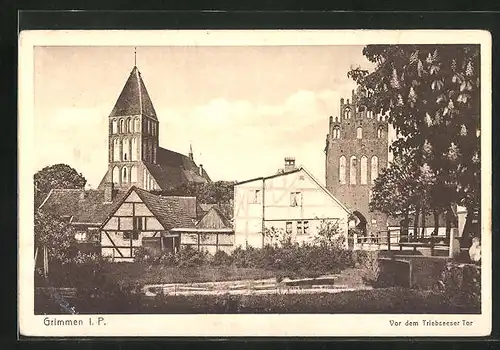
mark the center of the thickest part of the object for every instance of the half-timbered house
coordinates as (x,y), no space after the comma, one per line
(212,233)
(145,219)
(292,202)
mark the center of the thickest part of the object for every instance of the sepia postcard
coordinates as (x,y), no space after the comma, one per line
(298,183)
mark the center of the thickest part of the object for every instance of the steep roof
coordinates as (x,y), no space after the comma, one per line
(84,206)
(134,98)
(171,211)
(214,219)
(172,169)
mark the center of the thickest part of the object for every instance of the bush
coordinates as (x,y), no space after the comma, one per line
(221,258)
(461,284)
(189,257)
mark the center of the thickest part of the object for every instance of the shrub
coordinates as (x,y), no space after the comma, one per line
(189,257)
(221,258)
(461,284)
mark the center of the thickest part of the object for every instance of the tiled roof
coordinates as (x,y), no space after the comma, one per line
(173,169)
(214,219)
(134,98)
(85,206)
(171,211)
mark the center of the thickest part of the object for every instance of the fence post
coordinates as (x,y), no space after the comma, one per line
(389,240)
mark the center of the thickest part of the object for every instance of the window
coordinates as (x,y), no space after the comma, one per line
(125,149)
(336,133)
(352,170)
(122,126)
(374,172)
(256,197)
(380,132)
(300,230)
(124,174)
(116,150)
(364,170)
(342,164)
(114,126)
(139,223)
(80,235)
(129,125)
(130,235)
(116,175)
(133,174)
(306,227)
(288,227)
(137,125)
(135,150)
(359,133)
(347,113)
(295,199)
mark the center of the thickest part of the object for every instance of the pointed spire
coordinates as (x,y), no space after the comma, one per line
(134,98)
(191,151)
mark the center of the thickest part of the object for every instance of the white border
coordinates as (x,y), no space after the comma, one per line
(253,324)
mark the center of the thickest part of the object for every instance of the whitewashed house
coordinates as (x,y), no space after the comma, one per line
(291,201)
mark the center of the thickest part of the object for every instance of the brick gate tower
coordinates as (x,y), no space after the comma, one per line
(356,150)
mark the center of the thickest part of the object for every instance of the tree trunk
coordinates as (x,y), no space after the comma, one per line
(436,222)
(449,216)
(422,232)
(415,222)
(405,224)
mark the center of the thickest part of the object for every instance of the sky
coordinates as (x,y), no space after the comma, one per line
(243,109)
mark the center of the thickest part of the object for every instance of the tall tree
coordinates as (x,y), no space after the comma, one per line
(56,176)
(56,235)
(432,96)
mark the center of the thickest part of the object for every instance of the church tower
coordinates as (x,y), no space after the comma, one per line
(134,154)
(133,133)
(356,150)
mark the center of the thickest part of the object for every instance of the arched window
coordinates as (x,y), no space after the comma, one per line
(347,113)
(116,150)
(133,174)
(144,179)
(137,125)
(352,170)
(150,150)
(342,170)
(114,126)
(151,183)
(154,154)
(359,133)
(122,126)
(380,132)
(115,176)
(374,172)
(364,170)
(149,127)
(124,175)
(135,150)
(129,125)
(153,128)
(125,150)
(336,132)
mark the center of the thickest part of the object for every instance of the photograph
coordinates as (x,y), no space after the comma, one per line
(247,173)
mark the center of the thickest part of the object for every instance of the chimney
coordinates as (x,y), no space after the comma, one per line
(289,163)
(201,169)
(108,192)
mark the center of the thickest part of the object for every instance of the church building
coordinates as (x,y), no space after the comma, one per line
(135,157)
(357,148)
